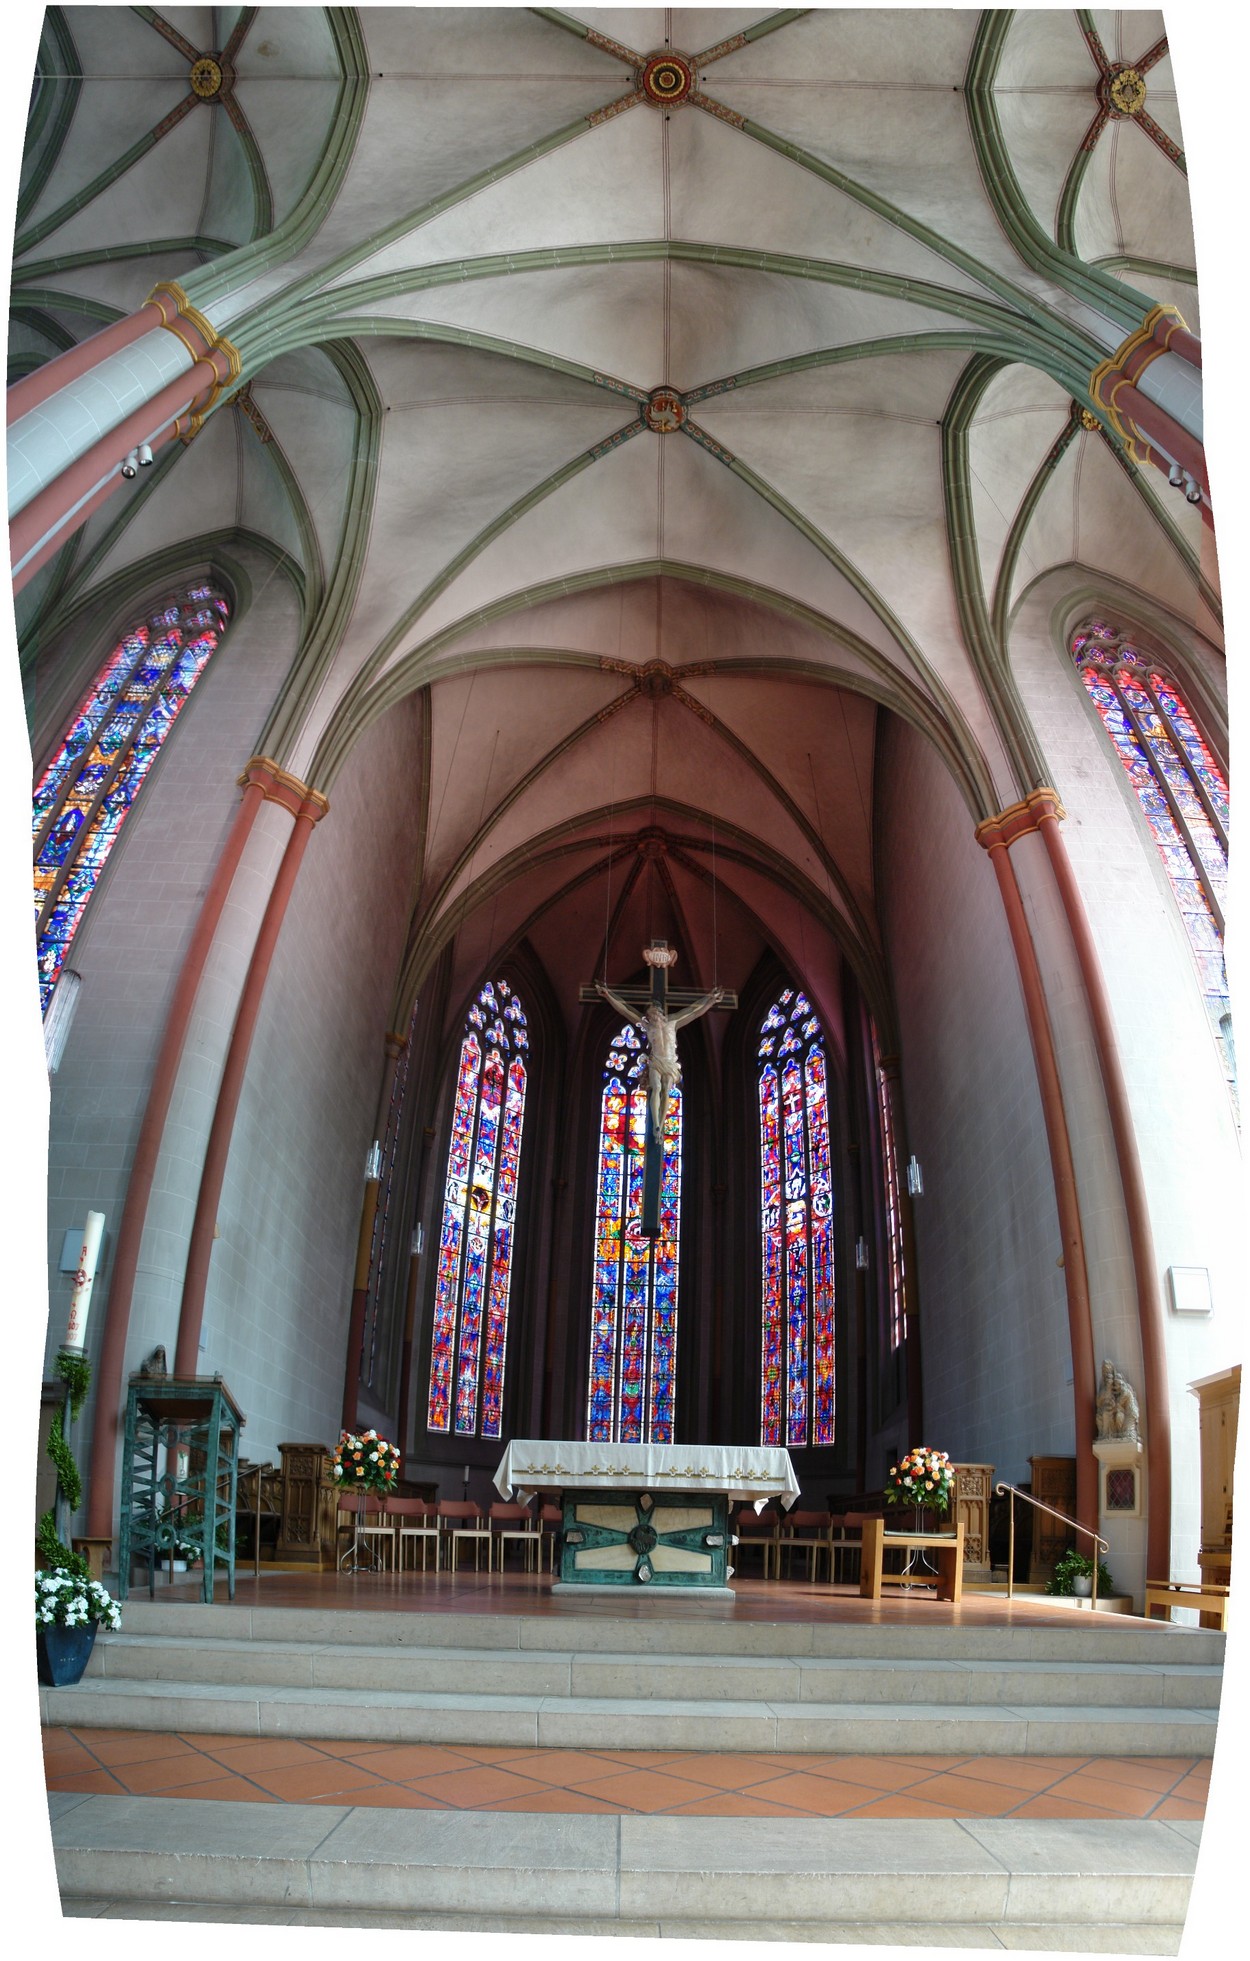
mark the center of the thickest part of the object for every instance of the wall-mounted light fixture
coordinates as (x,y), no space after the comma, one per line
(144,454)
(861,1254)
(915,1178)
(130,464)
(373,1163)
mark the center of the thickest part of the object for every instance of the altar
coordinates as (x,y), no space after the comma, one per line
(653,1515)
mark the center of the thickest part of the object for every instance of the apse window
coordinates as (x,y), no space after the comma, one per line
(1182,791)
(475,1247)
(90,786)
(796,1208)
(632,1386)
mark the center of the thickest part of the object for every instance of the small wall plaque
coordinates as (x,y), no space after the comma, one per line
(1190,1288)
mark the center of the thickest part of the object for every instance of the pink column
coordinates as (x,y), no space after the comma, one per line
(996,834)
(307,809)
(1141,1240)
(32,389)
(257,781)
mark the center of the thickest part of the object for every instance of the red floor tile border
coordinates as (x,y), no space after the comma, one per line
(430,1776)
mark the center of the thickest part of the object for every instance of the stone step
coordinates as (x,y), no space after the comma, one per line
(672,1677)
(1124,1882)
(665,1628)
(646,1722)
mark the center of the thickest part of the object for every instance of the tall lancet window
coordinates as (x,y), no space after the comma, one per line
(85,794)
(796,1203)
(633,1330)
(1181,789)
(479,1214)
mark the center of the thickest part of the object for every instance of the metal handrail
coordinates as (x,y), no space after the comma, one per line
(1103,1545)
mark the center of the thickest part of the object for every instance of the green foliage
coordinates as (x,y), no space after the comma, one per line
(1076,1565)
(75,1373)
(66,1469)
(55,1556)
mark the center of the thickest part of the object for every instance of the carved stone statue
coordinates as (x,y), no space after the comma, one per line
(1115,1412)
(663,1068)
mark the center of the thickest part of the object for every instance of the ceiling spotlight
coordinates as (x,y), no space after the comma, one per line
(1193,492)
(915,1178)
(130,464)
(145,455)
(1176,476)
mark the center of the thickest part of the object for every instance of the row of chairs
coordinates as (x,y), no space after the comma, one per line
(784,1539)
(392,1529)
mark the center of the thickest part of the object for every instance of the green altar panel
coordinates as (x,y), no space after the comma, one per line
(634,1539)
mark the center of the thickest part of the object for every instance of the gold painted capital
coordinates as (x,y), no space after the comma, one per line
(198,335)
(1019,820)
(277,785)
(1123,368)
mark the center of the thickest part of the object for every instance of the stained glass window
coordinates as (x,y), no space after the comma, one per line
(87,790)
(1182,792)
(633,1330)
(479,1217)
(893,1214)
(796,1209)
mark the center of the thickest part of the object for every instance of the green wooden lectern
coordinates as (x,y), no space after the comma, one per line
(180,1474)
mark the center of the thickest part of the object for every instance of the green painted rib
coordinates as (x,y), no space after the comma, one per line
(862,350)
(1117,303)
(215,282)
(310,544)
(1044,318)
(1149,268)
(769,25)
(1069,198)
(99,312)
(35,233)
(988,656)
(60,73)
(892,687)
(45,326)
(1019,527)
(1029,336)
(157,248)
(565,21)
(321,642)
(477,545)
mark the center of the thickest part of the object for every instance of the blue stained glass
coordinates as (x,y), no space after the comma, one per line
(477,1240)
(91,783)
(632,1380)
(797,1403)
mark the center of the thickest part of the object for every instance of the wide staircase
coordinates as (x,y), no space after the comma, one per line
(594,1679)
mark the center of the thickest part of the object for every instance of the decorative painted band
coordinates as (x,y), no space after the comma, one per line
(277,785)
(1019,820)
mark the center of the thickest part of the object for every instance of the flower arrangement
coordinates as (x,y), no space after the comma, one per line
(923,1477)
(66,1599)
(367,1463)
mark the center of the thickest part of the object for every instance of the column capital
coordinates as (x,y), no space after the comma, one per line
(394,1044)
(279,786)
(1019,820)
(198,335)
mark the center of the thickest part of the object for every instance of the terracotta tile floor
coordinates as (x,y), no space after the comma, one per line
(434,1777)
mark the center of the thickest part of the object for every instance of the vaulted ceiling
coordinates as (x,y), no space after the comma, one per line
(665,422)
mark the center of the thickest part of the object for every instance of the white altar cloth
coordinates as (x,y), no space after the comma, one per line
(736,1471)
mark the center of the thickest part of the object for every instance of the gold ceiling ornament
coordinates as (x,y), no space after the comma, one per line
(1089,420)
(207,77)
(1127,90)
(664,411)
(666,78)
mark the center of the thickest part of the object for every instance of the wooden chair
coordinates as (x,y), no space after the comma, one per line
(514,1522)
(846,1537)
(806,1533)
(356,1509)
(758,1530)
(550,1525)
(471,1526)
(416,1520)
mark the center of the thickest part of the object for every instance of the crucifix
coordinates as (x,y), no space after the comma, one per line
(659,1011)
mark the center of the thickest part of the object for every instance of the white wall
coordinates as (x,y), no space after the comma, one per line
(280,1282)
(994,1332)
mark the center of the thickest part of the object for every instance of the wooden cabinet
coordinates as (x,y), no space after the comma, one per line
(1054,1483)
(970,1507)
(1219,1397)
(309,1507)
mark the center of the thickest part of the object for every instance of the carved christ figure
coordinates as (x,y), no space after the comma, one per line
(663,1068)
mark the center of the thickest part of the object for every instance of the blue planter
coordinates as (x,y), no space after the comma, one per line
(63,1653)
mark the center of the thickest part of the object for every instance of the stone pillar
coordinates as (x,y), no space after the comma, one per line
(257,782)
(144,380)
(1150,390)
(996,835)
(395,1045)
(307,807)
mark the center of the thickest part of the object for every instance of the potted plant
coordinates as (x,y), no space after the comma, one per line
(924,1477)
(69,1606)
(1074,1575)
